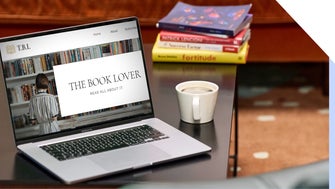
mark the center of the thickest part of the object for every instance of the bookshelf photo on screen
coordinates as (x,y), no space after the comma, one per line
(20,74)
(204,34)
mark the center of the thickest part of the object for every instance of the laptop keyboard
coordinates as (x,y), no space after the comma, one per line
(103,142)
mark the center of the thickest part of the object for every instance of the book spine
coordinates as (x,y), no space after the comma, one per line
(199,46)
(182,37)
(194,56)
(45,62)
(184,28)
(23,93)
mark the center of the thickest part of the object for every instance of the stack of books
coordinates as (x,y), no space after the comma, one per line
(204,34)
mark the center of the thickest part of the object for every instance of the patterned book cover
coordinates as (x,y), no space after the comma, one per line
(228,20)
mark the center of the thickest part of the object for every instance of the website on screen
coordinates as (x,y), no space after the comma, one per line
(93,73)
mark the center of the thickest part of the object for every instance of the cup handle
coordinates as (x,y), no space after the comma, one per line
(196,108)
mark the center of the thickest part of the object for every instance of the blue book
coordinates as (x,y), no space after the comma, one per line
(225,20)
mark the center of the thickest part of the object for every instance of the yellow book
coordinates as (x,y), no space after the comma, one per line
(160,54)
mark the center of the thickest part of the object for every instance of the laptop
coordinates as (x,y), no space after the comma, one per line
(80,102)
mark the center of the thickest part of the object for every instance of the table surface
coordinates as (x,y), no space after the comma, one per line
(163,78)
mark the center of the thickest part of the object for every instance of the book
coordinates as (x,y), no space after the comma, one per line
(23,92)
(45,62)
(190,69)
(226,20)
(216,35)
(160,54)
(200,46)
(242,36)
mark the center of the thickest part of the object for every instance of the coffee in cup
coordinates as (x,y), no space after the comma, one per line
(197,100)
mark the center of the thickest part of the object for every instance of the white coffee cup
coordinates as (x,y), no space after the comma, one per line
(197,100)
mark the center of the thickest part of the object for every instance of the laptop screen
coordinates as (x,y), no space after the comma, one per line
(73,78)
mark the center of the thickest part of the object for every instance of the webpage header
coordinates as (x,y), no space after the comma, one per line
(56,42)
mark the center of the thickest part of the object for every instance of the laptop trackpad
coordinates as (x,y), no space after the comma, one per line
(132,157)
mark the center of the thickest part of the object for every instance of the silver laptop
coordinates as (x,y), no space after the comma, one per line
(80,102)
